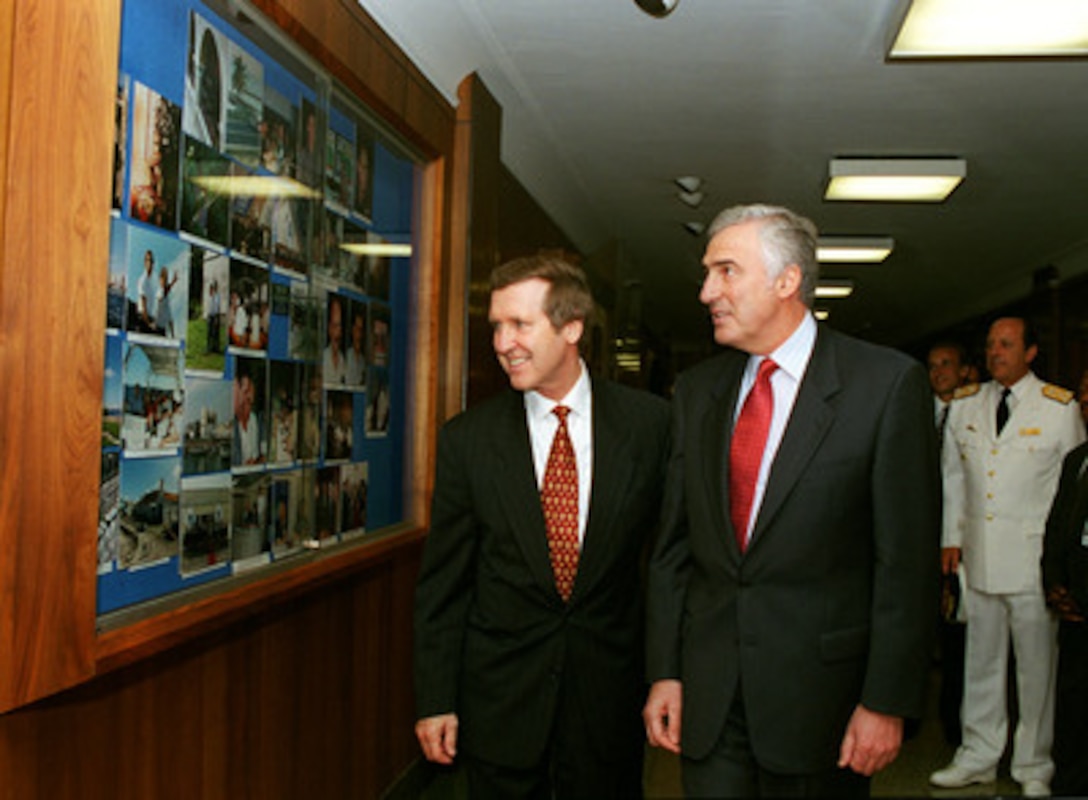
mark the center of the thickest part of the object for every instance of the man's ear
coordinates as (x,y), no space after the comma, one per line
(573,331)
(788,281)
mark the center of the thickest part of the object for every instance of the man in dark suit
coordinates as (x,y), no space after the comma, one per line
(529,617)
(1065,581)
(793,588)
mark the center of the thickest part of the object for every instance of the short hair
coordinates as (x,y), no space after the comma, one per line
(1031,336)
(786,238)
(569,297)
(953,345)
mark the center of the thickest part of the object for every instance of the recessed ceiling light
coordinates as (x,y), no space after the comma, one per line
(695,228)
(853,249)
(992,28)
(689,183)
(910,180)
(821,313)
(832,288)
(691,199)
(657,8)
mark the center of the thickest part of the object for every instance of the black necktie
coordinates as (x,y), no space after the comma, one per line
(1003,410)
(942,423)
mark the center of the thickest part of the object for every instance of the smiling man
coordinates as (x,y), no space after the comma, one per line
(793,587)
(529,606)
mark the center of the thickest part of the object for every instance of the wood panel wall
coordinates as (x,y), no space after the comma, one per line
(309,698)
(58,134)
(295,686)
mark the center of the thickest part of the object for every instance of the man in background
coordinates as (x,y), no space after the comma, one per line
(1003,450)
(1065,581)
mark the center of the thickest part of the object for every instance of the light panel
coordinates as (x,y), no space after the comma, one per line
(906,180)
(853,249)
(993,28)
(833,289)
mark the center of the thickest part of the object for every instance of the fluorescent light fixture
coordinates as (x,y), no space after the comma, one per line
(821,313)
(255,186)
(853,249)
(378,249)
(908,180)
(834,288)
(993,28)
(695,228)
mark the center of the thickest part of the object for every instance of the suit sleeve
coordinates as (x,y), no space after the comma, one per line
(1058,538)
(445,585)
(669,562)
(906,523)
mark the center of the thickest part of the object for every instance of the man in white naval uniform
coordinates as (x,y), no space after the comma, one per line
(998,487)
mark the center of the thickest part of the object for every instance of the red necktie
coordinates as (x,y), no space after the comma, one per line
(559,499)
(746,449)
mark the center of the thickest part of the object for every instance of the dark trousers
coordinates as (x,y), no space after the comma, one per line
(1070,751)
(953,637)
(731,770)
(570,768)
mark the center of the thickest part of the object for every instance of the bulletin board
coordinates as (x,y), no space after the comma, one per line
(258,287)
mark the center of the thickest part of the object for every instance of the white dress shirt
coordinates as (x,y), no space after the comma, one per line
(792,358)
(543,425)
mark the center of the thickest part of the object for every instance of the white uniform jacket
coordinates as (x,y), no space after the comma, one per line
(998,489)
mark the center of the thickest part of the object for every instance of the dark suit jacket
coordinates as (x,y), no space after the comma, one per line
(834,601)
(1065,554)
(495,643)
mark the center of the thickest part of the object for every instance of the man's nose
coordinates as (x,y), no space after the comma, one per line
(710,288)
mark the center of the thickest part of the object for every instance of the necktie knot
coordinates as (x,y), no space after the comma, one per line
(561,412)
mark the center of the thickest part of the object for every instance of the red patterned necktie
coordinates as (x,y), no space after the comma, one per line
(746,449)
(559,499)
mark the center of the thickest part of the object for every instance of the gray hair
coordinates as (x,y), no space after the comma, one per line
(786,238)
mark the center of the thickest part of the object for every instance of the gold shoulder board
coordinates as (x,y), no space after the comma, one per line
(966,391)
(1063,396)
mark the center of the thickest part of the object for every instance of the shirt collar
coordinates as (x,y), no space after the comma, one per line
(1018,388)
(792,355)
(578,399)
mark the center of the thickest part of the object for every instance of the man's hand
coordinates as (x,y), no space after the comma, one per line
(950,560)
(1063,604)
(662,715)
(871,742)
(438,737)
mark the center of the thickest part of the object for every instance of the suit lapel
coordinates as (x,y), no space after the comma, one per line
(613,467)
(516,487)
(809,422)
(718,425)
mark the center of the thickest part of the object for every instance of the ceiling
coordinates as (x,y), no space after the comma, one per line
(603,106)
